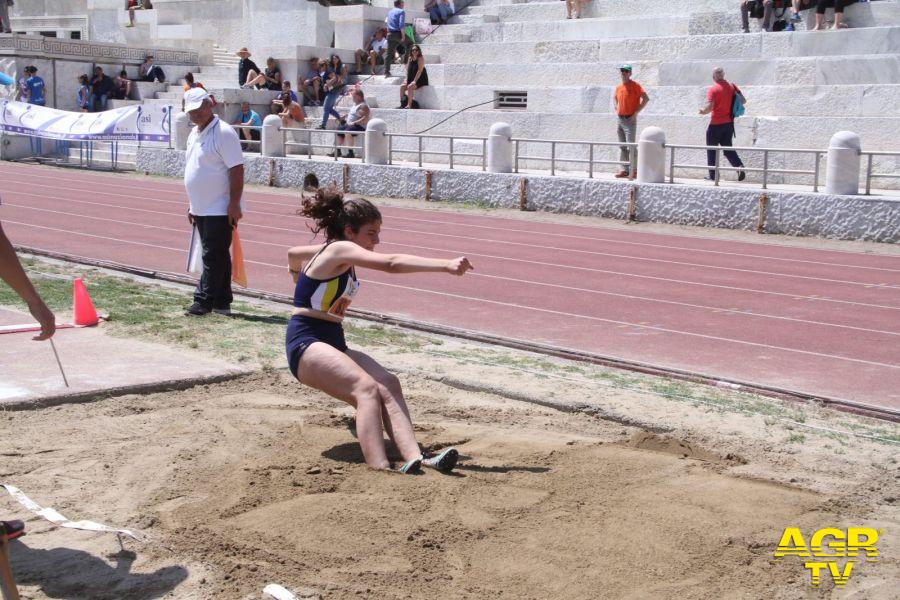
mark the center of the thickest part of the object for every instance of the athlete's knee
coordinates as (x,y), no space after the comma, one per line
(366,393)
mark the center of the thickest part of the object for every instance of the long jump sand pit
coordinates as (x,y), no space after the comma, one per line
(256,481)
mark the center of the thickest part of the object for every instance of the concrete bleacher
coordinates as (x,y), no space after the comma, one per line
(801,86)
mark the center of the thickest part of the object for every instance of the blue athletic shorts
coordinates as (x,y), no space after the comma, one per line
(303,331)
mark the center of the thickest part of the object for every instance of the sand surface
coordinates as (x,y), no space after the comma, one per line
(257,481)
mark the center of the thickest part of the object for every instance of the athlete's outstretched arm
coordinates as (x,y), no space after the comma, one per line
(353,254)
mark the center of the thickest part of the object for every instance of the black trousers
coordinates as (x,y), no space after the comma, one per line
(395,43)
(214,287)
(721,135)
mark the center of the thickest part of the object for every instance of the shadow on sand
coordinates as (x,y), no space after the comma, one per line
(76,574)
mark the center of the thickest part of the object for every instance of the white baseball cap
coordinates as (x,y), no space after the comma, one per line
(193,98)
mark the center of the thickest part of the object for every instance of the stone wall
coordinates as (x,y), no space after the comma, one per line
(806,214)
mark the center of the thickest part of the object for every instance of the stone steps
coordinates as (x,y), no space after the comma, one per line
(846,70)
(868,41)
(858,15)
(769,101)
(487,28)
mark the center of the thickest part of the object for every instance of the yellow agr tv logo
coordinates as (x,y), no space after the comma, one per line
(830,546)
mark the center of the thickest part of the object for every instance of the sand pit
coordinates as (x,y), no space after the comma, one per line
(259,481)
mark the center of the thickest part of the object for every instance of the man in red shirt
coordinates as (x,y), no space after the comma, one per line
(720,132)
(630,99)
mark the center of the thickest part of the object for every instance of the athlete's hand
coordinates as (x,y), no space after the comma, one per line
(458,266)
(46,319)
(190,218)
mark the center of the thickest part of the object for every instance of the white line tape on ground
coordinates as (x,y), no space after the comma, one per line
(279,593)
(56,518)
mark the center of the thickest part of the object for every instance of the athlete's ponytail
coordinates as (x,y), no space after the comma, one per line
(332,213)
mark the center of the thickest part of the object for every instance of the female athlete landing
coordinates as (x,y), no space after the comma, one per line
(317,353)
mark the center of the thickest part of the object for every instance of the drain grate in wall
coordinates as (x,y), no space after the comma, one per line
(511,100)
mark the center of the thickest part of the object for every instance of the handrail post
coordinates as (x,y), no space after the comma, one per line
(334,146)
(451,151)
(309,144)
(390,149)
(818,156)
(765,169)
(717,163)
(516,157)
(869,174)
(484,155)
(420,150)
(552,158)
(672,164)
(590,161)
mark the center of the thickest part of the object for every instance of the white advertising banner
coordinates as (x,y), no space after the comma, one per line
(140,122)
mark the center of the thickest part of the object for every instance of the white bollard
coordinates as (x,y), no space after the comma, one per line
(376,143)
(842,164)
(272,143)
(500,148)
(651,161)
(182,127)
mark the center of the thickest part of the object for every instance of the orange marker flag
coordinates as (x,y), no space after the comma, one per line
(238,272)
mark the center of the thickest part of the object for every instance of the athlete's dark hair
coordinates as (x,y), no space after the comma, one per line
(332,212)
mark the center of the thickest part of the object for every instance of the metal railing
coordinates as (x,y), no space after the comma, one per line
(590,148)
(870,174)
(590,161)
(766,168)
(334,133)
(420,151)
(250,142)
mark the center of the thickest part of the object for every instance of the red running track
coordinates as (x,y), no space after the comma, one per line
(822,322)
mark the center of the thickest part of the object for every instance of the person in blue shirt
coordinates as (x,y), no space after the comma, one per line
(84,94)
(396,26)
(249,117)
(35,88)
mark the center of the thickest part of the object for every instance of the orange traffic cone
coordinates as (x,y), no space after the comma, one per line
(82,307)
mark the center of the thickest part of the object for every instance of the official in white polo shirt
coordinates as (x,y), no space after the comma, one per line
(214,179)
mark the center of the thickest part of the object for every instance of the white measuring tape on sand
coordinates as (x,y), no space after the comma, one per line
(57,519)
(279,593)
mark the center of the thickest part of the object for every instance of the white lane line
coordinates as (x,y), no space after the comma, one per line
(539,233)
(434,210)
(520,306)
(551,248)
(715,309)
(463,252)
(652,327)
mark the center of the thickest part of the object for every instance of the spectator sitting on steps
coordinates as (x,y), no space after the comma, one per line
(269,79)
(102,87)
(311,84)
(768,7)
(247,69)
(416,76)
(796,7)
(357,119)
(122,90)
(630,99)
(439,11)
(720,132)
(292,116)
(84,94)
(133,5)
(150,72)
(839,6)
(249,118)
(576,4)
(285,89)
(374,52)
